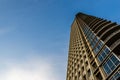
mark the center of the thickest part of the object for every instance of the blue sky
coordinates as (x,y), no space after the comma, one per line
(34,35)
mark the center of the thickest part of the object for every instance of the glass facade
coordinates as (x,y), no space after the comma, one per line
(98,47)
(93,43)
(115,76)
(111,63)
(90,56)
(103,54)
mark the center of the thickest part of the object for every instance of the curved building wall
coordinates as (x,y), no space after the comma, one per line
(94,49)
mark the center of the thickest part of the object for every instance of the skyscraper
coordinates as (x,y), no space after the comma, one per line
(94,49)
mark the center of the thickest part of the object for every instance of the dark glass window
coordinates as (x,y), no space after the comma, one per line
(89,32)
(111,63)
(99,46)
(100,58)
(106,68)
(116,76)
(115,60)
(103,54)
(93,42)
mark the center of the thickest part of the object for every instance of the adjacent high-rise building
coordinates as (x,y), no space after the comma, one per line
(94,49)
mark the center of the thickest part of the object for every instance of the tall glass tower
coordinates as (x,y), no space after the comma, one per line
(94,49)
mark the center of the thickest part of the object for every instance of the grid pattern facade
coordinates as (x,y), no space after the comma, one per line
(94,49)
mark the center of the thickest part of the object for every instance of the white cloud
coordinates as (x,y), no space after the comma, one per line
(32,69)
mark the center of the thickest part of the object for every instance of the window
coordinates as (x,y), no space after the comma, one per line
(92,36)
(85,57)
(111,63)
(81,61)
(103,54)
(99,46)
(89,73)
(83,51)
(115,60)
(79,51)
(84,77)
(100,58)
(86,63)
(116,76)
(93,43)
(89,32)
(91,57)
(94,65)
(75,70)
(106,68)
(82,68)
(80,56)
(78,66)
(72,74)
(75,77)
(82,47)
(99,76)
(79,74)
(96,50)
(70,78)
(86,31)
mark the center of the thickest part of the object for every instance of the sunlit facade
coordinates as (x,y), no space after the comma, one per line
(94,49)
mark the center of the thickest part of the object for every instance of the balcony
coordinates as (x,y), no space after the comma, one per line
(116,50)
(109,32)
(93,23)
(112,38)
(98,23)
(101,25)
(115,44)
(104,28)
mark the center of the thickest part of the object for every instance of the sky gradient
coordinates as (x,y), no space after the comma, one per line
(34,35)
